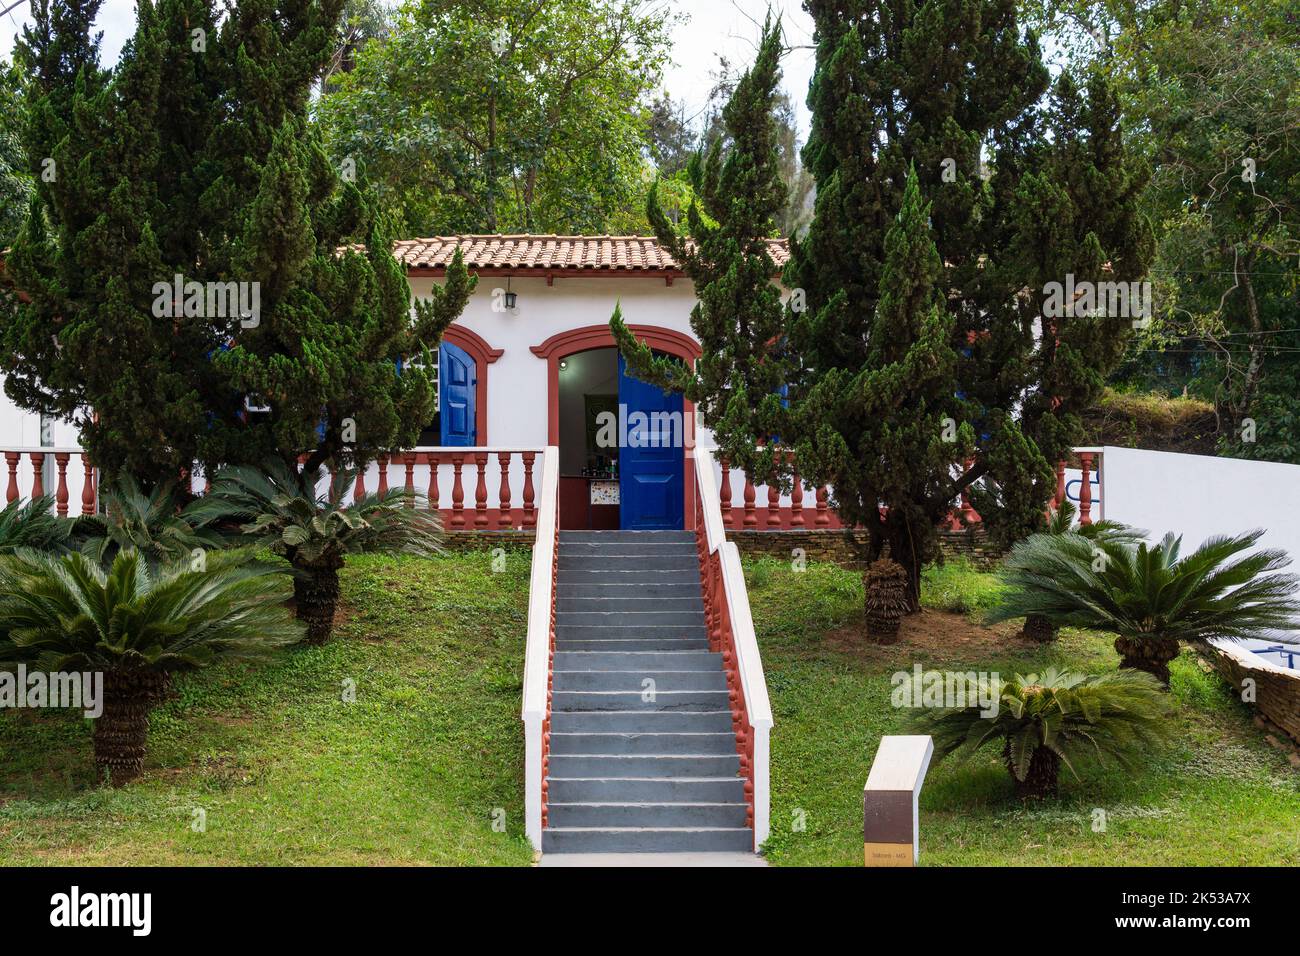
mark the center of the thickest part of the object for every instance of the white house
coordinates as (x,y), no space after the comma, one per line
(530,363)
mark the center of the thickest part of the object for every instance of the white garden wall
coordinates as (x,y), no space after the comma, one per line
(1198,496)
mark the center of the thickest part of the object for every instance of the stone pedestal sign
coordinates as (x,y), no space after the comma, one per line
(889,814)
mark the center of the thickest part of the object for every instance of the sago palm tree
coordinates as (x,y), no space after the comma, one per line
(149,523)
(281,510)
(137,625)
(1150,596)
(1060,520)
(33,524)
(1054,718)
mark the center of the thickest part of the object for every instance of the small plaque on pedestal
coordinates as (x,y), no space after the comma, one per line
(889,812)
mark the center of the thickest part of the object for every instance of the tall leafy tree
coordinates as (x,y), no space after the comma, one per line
(1212,88)
(194,158)
(498,116)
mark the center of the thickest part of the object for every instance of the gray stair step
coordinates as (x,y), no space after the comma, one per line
(631,765)
(629,562)
(565,604)
(626,744)
(609,632)
(643,618)
(631,575)
(645,536)
(654,815)
(645,840)
(727,789)
(632,700)
(637,661)
(639,681)
(622,645)
(642,721)
(619,590)
(620,548)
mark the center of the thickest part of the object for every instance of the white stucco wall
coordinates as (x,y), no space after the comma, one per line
(1199,495)
(516,389)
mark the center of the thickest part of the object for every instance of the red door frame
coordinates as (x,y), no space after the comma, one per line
(563,344)
(483,355)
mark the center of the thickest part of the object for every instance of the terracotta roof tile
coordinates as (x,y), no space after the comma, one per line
(549,253)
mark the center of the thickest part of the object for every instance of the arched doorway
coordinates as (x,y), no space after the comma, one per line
(643,483)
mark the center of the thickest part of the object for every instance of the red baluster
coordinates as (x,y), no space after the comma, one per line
(1060,484)
(1085,488)
(724,495)
(823,508)
(12,457)
(61,492)
(751,516)
(408,460)
(383,475)
(359,491)
(457,493)
(796,499)
(480,493)
(38,474)
(530,512)
(504,520)
(773,503)
(432,495)
(87,486)
(969,515)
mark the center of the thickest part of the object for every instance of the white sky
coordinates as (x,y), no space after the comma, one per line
(726,27)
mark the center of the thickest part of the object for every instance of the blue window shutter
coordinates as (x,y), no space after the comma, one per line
(457,394)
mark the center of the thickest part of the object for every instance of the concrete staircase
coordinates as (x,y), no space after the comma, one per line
(628,774)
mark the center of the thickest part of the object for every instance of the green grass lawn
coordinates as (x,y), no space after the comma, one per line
(431,752)
(285,772)
(1219,795)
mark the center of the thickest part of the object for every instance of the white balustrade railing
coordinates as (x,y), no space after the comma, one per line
(540,651)
(731,632)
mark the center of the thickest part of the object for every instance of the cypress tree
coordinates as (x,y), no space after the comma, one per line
(15,182)
(951,90)
(739,318)
(912,339)
(194,158)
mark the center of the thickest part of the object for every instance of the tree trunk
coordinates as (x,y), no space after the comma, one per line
(122,729)
(903,551)
(1040,779)
(316,593)
(1040,629)
(1150,654)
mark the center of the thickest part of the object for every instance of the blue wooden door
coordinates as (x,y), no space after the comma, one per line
(651,463)
(457,390)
